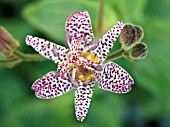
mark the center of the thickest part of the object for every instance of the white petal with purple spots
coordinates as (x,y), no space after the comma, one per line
(48,49)
(83,95)
(78,25)
(50,86)
(105,44)
(114,78)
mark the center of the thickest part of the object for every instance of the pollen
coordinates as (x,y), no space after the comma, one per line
(84,74)
(81,77)
(84,79)
(90,56)
(71,66)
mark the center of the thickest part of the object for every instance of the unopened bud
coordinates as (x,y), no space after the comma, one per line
(130,35)
(138,52)
(7,43)
(5,49)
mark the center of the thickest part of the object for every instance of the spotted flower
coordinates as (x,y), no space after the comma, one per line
(80,66)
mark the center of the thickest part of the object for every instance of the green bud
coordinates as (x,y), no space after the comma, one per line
(130,35)
(139,51)
(7,43)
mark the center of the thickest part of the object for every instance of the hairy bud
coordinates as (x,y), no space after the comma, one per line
(130,35)
(7,43)
(138,52)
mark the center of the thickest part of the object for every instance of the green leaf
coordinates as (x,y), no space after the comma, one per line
(50,16)
(16,3)
(11,92)
(154,67)
(134,9)
(129,10)
(106,108)
(2,56)
(42,113)
(159,8)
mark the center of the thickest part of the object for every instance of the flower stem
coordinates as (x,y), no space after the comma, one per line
(115,55)
(11,62)
(101,15)
(29,57)
(19,57)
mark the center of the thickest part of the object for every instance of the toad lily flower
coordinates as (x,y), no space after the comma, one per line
(80,66)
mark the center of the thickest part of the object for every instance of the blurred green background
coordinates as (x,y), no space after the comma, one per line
(147,105)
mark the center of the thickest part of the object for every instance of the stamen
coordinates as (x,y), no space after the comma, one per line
(98,67)
(57,74)
(94,46)
(74,73)
(73,81)
(67,40)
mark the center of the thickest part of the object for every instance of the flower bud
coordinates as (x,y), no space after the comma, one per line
(5,49)
(130,35)
(7,43)
(139,51)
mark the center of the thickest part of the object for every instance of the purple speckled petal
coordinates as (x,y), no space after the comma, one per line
(50,86)
(78,25)
(106,43)
(114,78)
(83,95)
(48,49)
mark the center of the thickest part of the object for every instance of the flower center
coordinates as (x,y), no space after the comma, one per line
(90,56)
(81,66)
(83,72)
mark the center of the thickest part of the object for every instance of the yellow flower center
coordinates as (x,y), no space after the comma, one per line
(82,73)
(90,56)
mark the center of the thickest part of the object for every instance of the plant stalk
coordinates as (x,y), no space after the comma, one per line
(115,55)
(101,16)
(19,57)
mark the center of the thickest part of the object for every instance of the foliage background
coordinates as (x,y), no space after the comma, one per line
(147,105)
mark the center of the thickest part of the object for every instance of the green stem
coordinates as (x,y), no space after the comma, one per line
(21,57)
(11,62)
(115,55)
(101,16)
(29,57)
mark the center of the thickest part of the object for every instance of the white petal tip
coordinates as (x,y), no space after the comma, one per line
(81,119)
(28,39)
